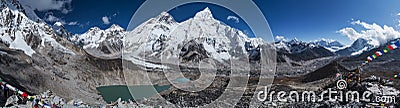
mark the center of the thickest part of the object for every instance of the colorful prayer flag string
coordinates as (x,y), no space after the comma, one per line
(379,53)
(6,87)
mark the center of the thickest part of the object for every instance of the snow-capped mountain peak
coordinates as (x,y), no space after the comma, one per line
(93,30)
(294,41)
(94,36)
(20,32)
(101,43)
(60,30)
(22,7)
(357,47)
(164,18)
(295,45)
(191,40)
(204,14)
(298,50)
(329,44)
(58,24)
(115,27)
(360,42)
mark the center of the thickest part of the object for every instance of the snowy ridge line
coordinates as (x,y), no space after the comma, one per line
(25,31)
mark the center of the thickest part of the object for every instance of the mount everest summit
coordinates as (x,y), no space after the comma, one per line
(196,38)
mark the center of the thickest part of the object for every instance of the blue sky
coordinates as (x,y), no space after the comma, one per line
(305,19)
(89,13)
(314,19)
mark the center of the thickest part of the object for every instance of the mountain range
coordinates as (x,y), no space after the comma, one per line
(325,47)
(36,56)
(192,40)
(72,65)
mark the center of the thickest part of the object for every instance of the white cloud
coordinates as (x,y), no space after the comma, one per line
(280,38)
(51,18)
(398,14)
(236,19)
(65,11)
(44,5)
(375,33)
(73,23)
(106,20)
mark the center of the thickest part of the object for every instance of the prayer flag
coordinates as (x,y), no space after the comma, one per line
(378,53)
(397,44)
(369,58)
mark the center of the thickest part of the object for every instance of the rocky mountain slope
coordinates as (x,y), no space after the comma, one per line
(295,57)
(35,58)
